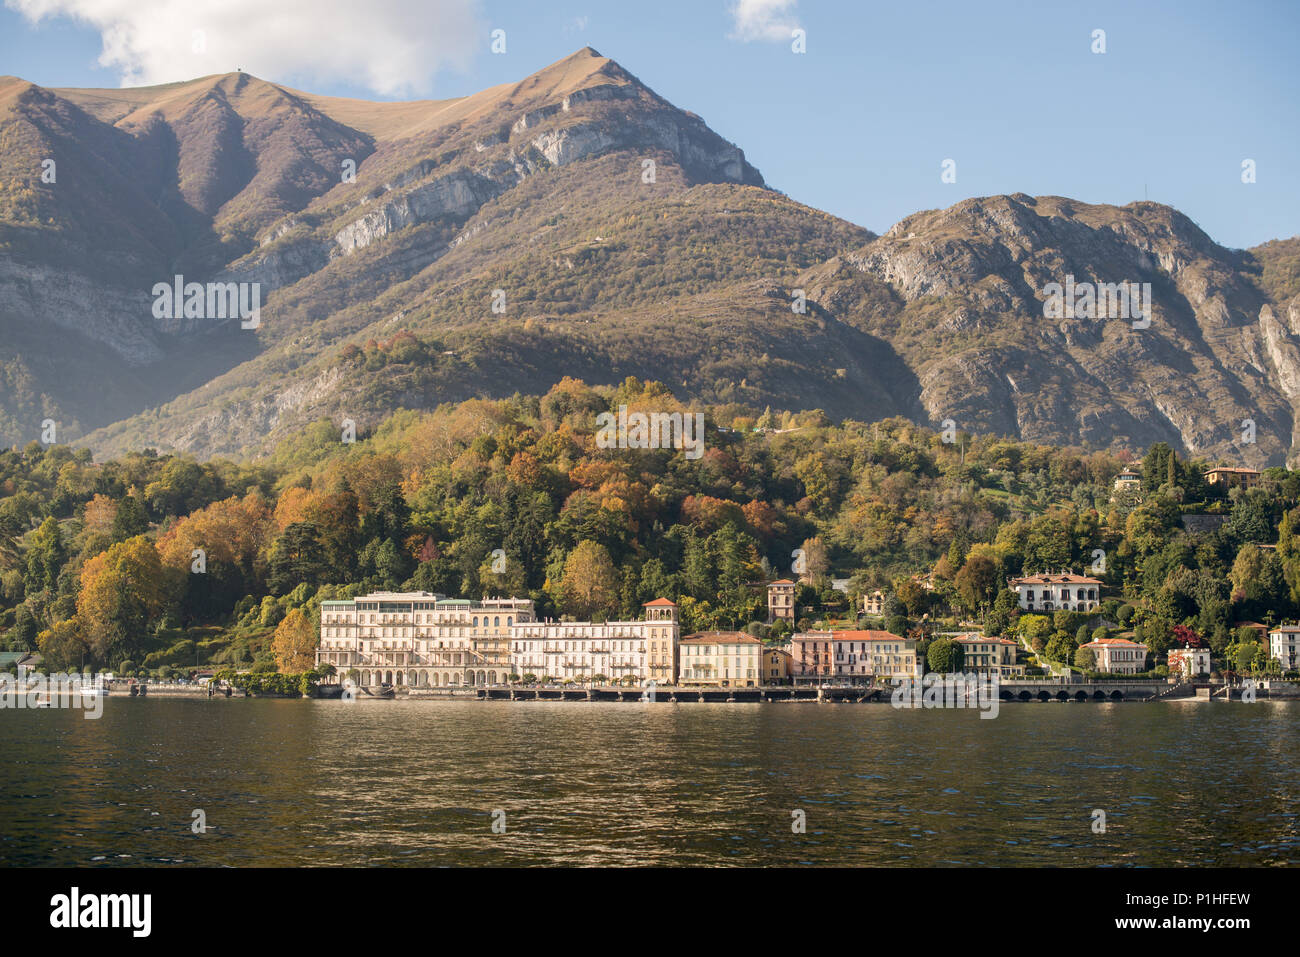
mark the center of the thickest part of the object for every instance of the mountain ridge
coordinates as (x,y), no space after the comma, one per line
(539,189)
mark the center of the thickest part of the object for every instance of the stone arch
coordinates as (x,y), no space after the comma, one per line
(1025,696)
(1099,695)
(1081,696)
(1044,696)
(1117,695)
(1062,695)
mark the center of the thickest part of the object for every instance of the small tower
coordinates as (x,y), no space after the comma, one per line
(780,600)
(661,609)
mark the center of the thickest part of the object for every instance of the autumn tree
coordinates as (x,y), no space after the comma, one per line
(63,645)
(121,596)
(590,584)
(294,643)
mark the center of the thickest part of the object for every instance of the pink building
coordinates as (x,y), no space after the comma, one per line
(853,657)
(811,659)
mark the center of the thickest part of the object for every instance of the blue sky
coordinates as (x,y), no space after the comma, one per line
(859,125)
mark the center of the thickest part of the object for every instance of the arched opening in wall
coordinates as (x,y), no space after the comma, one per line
(1044,696)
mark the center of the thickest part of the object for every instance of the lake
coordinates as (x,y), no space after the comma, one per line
(312,782)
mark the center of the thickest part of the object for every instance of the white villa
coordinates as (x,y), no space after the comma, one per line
(1187,663)
(1118,656)
(1284,645)
(1052,592)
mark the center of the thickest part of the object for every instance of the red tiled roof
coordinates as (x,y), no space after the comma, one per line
(860,635)
(721,638)
(782,581)
(1057,580)
(660,603)
(983,640)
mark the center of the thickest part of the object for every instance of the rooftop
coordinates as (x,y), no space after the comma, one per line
(1061,579)
(720,638)
(1114,643)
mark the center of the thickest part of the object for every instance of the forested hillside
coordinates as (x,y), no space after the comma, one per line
(100,563)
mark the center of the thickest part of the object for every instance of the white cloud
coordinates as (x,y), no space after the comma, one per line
(394,47)
(763,19)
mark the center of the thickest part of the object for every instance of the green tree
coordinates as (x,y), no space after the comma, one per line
(297,557)
(944,656)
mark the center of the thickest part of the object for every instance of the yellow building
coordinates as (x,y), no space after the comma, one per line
(722,658)
(985,655)
(776,666)
(1227,477)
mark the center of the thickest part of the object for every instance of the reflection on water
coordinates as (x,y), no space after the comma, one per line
(323,782)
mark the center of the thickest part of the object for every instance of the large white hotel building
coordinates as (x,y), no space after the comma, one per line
(422,640)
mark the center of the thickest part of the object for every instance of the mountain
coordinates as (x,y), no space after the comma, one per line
(616,235)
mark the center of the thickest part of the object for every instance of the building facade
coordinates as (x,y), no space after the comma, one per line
(611,652)
(420,640)
(1128,479)
(852,657)
(861,656)
(811,658)
(874,603)
(776,666)
(726,659)
(1118,656)
(780,600)
(984,655)
(1187,663)
(1228,477)
(1052,592)
(1284,646)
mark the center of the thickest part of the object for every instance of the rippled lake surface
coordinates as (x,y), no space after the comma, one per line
(420,783)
